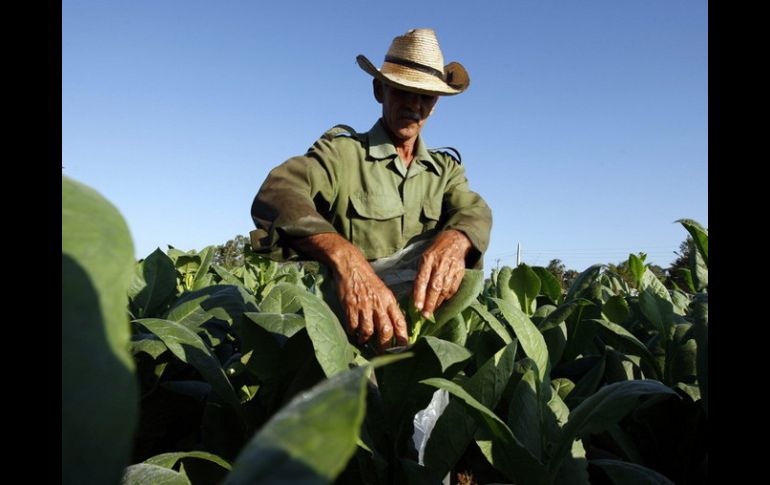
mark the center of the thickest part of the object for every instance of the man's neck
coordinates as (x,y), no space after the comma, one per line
(404,148)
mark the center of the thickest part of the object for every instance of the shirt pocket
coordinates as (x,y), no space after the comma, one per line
(376,223)
(431,213)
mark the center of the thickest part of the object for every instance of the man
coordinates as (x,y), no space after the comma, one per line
(354,198)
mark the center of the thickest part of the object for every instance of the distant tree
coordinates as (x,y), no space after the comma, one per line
(569,277)
(682,262)
(565,276)
(230,254)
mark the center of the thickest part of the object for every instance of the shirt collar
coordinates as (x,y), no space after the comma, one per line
(381,148)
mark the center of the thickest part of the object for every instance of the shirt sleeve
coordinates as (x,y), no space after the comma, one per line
(292,200)
(465,211)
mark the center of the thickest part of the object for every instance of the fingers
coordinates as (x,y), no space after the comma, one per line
(384,330)
(422,280)
(399,325)
(365,325)
(443,285)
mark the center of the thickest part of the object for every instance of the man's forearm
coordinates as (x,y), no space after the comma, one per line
(330,249)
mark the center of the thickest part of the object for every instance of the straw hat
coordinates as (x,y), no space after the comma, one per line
(415,63)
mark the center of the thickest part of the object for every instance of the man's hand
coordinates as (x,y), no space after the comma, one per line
(370,306)
(441,271)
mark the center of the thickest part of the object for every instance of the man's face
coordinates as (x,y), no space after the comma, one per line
(404,113)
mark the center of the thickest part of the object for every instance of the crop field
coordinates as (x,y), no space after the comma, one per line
(179,370)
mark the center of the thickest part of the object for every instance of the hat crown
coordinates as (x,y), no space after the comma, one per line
(420,46)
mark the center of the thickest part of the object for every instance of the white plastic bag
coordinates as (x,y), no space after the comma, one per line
(425,420)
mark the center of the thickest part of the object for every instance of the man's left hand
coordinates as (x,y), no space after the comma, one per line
(441,271)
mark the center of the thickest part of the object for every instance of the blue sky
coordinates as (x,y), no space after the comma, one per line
(585,127)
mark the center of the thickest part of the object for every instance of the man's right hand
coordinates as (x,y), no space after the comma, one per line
(370,307)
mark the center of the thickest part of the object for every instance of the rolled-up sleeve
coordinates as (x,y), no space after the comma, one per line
(465,211)
(291,200)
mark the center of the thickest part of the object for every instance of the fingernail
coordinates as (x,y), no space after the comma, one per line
(426,314)
(418,304)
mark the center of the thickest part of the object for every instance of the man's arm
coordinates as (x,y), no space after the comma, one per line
(467,225)
(369,304)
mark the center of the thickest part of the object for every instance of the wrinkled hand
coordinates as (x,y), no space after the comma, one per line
(441,271)
(370,306)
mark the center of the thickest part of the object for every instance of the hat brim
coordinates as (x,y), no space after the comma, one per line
(416,81)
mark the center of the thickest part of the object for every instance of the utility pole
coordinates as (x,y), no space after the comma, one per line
(518,254)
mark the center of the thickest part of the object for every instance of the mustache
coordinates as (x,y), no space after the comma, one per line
(407,113)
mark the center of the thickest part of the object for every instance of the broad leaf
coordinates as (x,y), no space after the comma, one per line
(529,337)
(493,322)
(624,473)
(525,283)
(148,474)
(311,439)
(189,348)
(601,410)
(153,284)
(550,286)
(99,389)
(508,454)
(700,236)
(700,311)
(332,349)
(583,282)
(471,285)
(455,428)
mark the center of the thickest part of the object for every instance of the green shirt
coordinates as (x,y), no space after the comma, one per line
(356,185)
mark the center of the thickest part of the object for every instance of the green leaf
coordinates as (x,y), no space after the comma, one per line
(279,324)
(504,290)
(225,302)
(583,282)
(525,283)
(470,287)
(636,265)
(680,301)
(148,474)
(283,298)
(402,396)
(652,284)
(562,312)
(659,311)
(621,338)
(493,322)
(562,386)
(455,428)
(153,284)
(332,349)
(700,236)
(311,439)
(615,309)
(700,312)
(99,389)
(601,410)
(624,473)
(200,467)
(529,337)
(699,271)
(201,276)
(549,284)
(190,349)
(149,344)
(168,460)
(509,455)
(588,383)
(524,412)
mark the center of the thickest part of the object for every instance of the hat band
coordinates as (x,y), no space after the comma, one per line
(416,66)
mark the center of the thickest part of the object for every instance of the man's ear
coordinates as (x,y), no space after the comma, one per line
(377,88)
